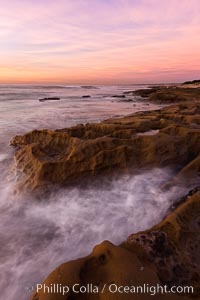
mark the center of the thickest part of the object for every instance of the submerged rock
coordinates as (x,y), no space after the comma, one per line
(89,87)
(119,96)
(49,98)
(127,100)
(86,96)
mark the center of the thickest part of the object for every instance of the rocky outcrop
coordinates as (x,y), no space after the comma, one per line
(166,137)
(167,254)
(197,81)
(171,94)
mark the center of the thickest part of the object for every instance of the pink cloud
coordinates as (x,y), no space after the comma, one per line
(85,40)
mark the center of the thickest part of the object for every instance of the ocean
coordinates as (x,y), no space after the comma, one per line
(35,237)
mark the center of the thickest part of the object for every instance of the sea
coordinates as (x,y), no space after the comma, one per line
(35,237)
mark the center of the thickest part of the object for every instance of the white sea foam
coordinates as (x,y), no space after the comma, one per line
(3,156)
(38,236)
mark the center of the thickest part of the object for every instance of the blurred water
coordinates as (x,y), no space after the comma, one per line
(21,111)
(36,237)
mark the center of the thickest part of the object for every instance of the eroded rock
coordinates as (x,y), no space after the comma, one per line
(173,246)
(59,157)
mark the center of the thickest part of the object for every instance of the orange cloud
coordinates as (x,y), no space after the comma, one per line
(99,41)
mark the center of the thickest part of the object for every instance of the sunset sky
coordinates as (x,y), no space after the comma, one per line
(99,41)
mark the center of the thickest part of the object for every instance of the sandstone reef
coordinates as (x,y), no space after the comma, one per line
(170,94)
(166,137)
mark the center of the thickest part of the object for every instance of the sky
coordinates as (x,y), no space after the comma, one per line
(99,41)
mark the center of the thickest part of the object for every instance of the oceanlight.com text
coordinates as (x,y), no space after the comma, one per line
(114,289)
